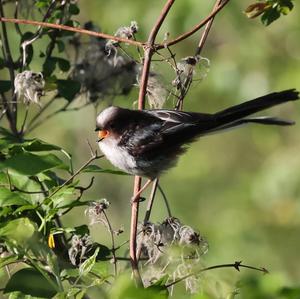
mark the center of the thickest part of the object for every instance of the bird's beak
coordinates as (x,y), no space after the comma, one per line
(102,134)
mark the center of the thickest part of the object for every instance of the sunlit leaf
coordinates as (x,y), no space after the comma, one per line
(30,164)
(88,264)
(18,230)
(9,198)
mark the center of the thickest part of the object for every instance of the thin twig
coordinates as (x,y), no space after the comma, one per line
(150,201)
(73,29)
(165,200)
(91,159)
(42,110)
(113,249)
(236,265)
(206,30)
(193,30)
(133,233)
(38,33)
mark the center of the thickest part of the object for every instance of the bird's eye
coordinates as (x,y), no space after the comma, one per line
(112,126)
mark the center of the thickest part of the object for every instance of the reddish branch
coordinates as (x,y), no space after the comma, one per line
(207,28)
(73,29)
(149,50)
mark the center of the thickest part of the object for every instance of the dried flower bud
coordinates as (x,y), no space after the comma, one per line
(95,210)
(127,31)
(30,85)
(80,246)
(191,67)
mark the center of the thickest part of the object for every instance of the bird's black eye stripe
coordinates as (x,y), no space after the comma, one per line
(97,129)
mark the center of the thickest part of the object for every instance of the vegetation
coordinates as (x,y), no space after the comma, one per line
(67,226)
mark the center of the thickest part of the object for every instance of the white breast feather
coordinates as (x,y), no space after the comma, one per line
(118,156)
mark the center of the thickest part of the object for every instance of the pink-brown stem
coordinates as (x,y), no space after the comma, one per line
(148,49)
(73,29)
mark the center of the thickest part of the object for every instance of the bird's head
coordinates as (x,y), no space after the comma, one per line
(112,121)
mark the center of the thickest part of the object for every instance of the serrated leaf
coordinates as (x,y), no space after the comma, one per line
(96,169)
(68,89)
(9,198)
(30,164)
(88,264)
(30,282)
(18,230)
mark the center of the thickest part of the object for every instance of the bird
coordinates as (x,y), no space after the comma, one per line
(149,142)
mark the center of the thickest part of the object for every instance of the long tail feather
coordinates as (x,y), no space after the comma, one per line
(247,108)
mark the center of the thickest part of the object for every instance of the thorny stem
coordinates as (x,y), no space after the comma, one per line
(235,265)
(113,249)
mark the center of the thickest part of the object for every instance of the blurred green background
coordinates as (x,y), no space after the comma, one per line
(240,189)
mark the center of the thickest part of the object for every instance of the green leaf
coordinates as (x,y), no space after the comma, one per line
(104,252)
(37,145)
(124,287)
(60,46)
(270,15)
(49,66)
(5,86)
(101,269)
(63,64)
(7,260)
(9,198)
(73,9)
(73,273)
(68,89)
(30,282)
(18,230)
(96,169)
(24,208)
(88,264)
(30,164)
